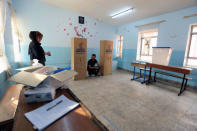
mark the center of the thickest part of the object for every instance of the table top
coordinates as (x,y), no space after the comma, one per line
(163,67)
(169,68)
(138,64)
(76,120)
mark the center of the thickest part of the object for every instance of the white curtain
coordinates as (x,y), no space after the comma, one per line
(2,23)
(16,35)
(4,65)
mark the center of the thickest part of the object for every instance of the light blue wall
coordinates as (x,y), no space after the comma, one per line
(173,33)
(54,23)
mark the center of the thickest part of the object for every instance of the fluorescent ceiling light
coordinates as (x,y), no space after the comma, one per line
(121,13)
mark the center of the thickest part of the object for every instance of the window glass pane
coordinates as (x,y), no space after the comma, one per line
(153,43)
(192,62)
(193,46)
(147,44)
(146,58)
(194,29)
(145,47)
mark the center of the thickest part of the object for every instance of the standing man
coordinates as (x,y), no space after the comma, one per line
(93,66)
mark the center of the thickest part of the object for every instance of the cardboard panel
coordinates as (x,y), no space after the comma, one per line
(27,78)
(78,57)
(106,53)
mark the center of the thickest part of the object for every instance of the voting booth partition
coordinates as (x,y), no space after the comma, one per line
(78,57)
(106,53)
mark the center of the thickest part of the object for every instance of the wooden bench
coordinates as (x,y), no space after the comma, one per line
(175,69)
(8,105)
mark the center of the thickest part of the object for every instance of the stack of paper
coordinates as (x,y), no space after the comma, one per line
(47,114)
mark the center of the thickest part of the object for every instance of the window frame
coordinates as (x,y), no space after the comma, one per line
(140,40)
(120,46)
(190,34)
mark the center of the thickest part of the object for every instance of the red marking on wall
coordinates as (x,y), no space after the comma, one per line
(84,29)
(70,24)
(76,31)
(64,29)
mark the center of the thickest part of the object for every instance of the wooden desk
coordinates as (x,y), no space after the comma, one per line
(141,66)
(76,120)
(8,105)
(175,69)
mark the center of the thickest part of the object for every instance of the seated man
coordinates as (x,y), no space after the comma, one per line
(93,66)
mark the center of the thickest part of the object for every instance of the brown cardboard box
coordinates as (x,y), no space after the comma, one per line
(78,57)
(106,53)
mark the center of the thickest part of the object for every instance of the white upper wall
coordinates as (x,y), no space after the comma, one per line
(58,24)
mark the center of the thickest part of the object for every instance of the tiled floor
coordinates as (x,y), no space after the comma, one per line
(125,105)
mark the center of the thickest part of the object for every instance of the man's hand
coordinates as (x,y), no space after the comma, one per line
(96,67)
(48,53)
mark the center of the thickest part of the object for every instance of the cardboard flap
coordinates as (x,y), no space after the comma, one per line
(30,68)
(46,70)
(27,78)
(64,75)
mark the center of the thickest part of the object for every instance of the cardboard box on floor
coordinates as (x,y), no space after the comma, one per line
(41,76)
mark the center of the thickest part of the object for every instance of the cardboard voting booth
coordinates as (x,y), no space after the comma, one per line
(106,53)
(42,82)
(161,55)
(78,57)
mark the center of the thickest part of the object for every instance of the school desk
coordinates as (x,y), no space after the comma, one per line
(80,119)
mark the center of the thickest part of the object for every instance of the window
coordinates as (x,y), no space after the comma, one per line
(191,55)
(1,47)
(146,40)
(119,46)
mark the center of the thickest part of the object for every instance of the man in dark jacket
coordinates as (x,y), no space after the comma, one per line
(35,49)
(93,66)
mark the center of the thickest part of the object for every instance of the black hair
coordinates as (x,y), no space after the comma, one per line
(94,55)
(34,34)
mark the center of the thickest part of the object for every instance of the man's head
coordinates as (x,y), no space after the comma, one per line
(93,56)
(35,36)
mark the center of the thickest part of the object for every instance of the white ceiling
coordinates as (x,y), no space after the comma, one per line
(102,9)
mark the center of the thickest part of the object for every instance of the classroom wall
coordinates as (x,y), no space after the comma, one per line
(172,33)
(8,45)
(58,26)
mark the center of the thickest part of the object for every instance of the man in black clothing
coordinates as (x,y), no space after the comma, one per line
(93,66)
(35,49)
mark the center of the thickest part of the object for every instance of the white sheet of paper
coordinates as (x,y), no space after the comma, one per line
(48,113)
